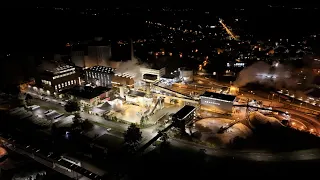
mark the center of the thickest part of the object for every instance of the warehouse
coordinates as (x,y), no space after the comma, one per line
(216,102)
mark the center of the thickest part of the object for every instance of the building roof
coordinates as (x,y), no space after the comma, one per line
(86,92)
(185,111)
(56,69)
(101,69)
(168,76)
(226,97)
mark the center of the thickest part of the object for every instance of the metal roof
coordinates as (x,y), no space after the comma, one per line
(226,97)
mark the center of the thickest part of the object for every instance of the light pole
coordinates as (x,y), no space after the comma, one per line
(272,99)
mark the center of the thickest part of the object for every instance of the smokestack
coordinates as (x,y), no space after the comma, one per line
(121,91)
(148,94)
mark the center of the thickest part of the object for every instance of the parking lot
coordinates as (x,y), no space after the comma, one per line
(44,97)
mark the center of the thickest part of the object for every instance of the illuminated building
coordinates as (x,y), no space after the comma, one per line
(99,76)
(158,72)
(185,114)
(123,79)
(217,102)
(60,78)
(138,98)
(24,85)
(88,96)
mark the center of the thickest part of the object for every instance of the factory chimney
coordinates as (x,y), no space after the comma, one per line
(148,94)
(121,88)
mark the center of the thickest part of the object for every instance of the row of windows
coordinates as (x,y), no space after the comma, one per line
(65,84)
(46,82)
(63,75)
(97,75)
(212,102)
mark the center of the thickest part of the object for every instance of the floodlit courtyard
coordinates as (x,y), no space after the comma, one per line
(130,113)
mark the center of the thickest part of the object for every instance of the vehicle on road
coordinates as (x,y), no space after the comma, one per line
(58,116)
(33,107)
(49,111)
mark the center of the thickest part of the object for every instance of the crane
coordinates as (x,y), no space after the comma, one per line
(231,34)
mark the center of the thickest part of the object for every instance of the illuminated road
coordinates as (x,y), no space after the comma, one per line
(305,119)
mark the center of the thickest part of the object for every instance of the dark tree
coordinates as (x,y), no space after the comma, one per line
(12,89)
(28,98)
(72,106)
(132,136)
(164,138)
(86,125)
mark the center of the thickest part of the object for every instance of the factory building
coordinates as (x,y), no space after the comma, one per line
(185,114)
(216,102)
(99,76)
(158,72)
(88,96)
(185,74)
(60,78)
(122,79)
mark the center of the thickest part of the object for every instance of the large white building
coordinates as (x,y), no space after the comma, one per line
(158,72)
(217,102)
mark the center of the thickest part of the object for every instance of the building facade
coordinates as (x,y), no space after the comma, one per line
(99,76)
(60,78)
(216,102)
(158,72)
